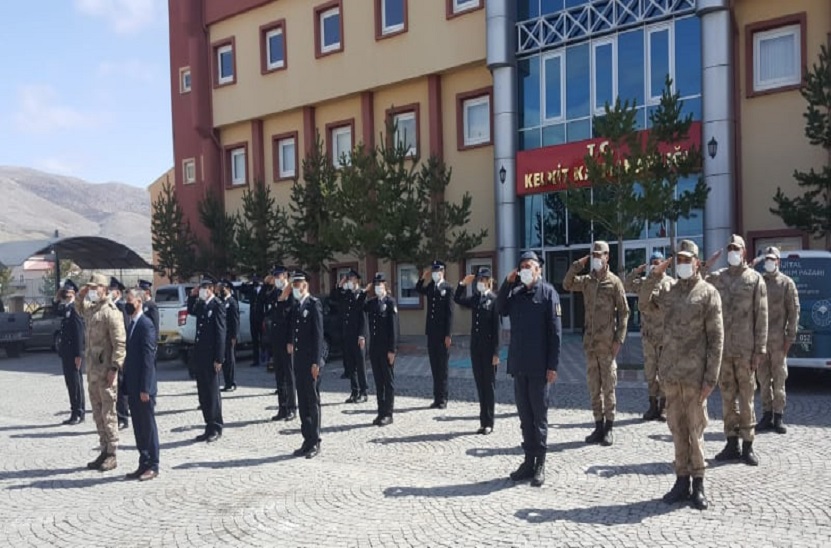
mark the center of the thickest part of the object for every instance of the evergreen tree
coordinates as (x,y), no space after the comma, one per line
(260,231)
(173,240)
(220,255)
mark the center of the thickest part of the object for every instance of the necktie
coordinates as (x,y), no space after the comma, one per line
(132,325)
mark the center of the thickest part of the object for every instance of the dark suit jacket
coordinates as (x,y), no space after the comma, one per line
(152,311)
(210,332)
(231,318)
(350,312)
(140,362)
(307,332)
(382,317)
(484,329)
(439,320)
(72,332)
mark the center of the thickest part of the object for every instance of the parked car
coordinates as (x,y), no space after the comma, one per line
(46,329)
(172,301)
(15,330)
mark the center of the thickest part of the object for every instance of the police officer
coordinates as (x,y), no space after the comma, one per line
(351,298)
(149,307)
(689,364)
(652,332)
(209,353)
(116,293)
(71,350)
(607,313)
(104,358)
(745,310)
(256,317)
(280,317)
(307,353)
(229,365)
(439,326)
(783,320)
(484,341)
(533,307)
(382,317)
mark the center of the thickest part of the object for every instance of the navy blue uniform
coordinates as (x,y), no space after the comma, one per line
(382,317)
(151,310)
(484,345)
(307,349)
(140,377)
(229,364)
(280,318)
(439,325)
(353,327)
(534,350)
(122,404)
(72,347)
(255,318)
(208,350)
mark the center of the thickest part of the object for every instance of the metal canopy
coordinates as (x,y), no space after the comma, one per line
(88,252)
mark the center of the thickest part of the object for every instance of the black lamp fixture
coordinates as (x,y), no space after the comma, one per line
(712,147)
(502,174)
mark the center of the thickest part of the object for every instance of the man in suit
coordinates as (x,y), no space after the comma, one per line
(149,305)
(306,350)
(439,326)
(71,350)
(140,385)
(382,317)
(209,353)
(351,297)
(280,317)
(122,408)
(229,366)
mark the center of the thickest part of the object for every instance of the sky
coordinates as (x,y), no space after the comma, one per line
(85,88)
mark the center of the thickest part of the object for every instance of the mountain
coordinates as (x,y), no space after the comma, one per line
(35,204)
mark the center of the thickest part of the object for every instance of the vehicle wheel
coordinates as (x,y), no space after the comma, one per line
(56,341)
(184,354)
(14,350)
(166,352)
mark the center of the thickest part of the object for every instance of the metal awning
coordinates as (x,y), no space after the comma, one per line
(88,252)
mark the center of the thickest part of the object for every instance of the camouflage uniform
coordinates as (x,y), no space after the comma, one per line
(783,319)
(607,314)
(106,348)
(652,326)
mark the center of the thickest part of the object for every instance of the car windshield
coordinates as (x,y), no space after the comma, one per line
(169,296)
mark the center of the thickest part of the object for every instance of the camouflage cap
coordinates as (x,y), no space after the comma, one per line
(772,253)
(688,248)
(98,279)
(600,247)
(737,240)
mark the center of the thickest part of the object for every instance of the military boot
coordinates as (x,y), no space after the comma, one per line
(652,413)
(680,491)
(96,464)
(109,463)
(699,499)
(539,472)
(597,435)
(730,451)
(748,456)
(766,423)
(608,437)
(778,425)
(525,470)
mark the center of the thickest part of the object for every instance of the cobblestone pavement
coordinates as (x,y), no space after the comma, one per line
(426,480)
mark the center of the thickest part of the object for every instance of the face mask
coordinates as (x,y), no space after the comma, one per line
(93,296)
(203,294)
(436,276)
(349,286)
(130,309)
(280,284)
(597,264)
(297,292)
(114,296)
(526,276)
(734,258)
(381,291)
(685,271)
(770,266)
(481,287)
(67,301)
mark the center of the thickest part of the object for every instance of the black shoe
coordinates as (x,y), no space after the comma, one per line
(652,413)
(134,475)
(290,416)
(730,451)
(99,460)
(122,425)
(699,499)
(525,470)
(75,420)
(539,472)
(377,421)
(231,388)
(281,414)
(766,423)
(385,421)
(481,430)
(214,437)
(352,399)
(679,492)
(202,437)
(779,426)
(361,398)
(608,436)
(313,451)
(69,420)
(435,405)
(302,451)
(597,434)
(442,405)
(748,456)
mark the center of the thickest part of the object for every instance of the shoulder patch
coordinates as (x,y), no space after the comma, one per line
(558,309)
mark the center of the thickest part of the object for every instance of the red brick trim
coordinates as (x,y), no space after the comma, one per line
(215,62)
(450,13)
(772,24)
(258,151)
(275,148)
(264,30)
(226,165)
(309,130)
(435,120)
(461,98)
(318,10)
(350,123)
(379,21)
(415,108)
(368,119)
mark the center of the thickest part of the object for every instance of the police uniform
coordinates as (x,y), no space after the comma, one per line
(149,307)
(353,328)
(280,319)
(484,346)
(534,350)
(382,318)
(209,350)
(123,405)
(229,365)
(439,326)
(255,317)
(307,350)
(71,348)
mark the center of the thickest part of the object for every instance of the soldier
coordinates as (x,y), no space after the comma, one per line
(745,311)
(783,320)
(307,353)
(122,407)
(382,317)
(280,316)
(533,307)
(439,326)
(229,366)
(351,297)
(484,341)
(689,364)
(652,325)
(71,351)
(209,353)
(607,314)
(256,317)
(104,358)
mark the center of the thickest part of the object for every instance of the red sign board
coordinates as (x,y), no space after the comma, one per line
(554,168)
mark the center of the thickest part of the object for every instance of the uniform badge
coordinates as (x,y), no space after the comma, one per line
(558,309)
(68,313)
(395,309)
(443,292)
(227,306)
(305,312)
(210,313)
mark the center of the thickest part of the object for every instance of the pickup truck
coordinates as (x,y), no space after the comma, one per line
(15,330)
(46,329)
(172,301)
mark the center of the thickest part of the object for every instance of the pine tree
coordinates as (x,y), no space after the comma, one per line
(260,232)
(220,255)
(173,240)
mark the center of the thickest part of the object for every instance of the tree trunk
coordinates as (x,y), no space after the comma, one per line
(621,257)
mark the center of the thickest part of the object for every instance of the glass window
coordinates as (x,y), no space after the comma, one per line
(238,166)
(660,65)
(529,139)
(407,277)
(579,229)
(688,56)
(392,15)
(554,78)
(184,80)
(189,171)
(630,66)
(532,233)
(477,121)
(693,226)
(405,132)
(275,44)
(692,106)
(287,149)
(578,79)
(574,3)
(225,64)
(464,5)
(579,131)
(341,146)
(550,6)
(529,92)
(554,135)
(554,228)
(527,9)
(330,30)
(777,58)
(605,81)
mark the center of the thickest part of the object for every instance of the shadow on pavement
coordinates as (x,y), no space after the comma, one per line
(708,436)
(30,426)
(423,438)
(50,435)
(479,489)
(493,451)
(619,514)
(70,483)
(643,469)
(42,473)
(237,463)
(472,417)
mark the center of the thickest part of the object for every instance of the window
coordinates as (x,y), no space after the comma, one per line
(273,46)
(225,64)
(340,144)
(604,74)
(474,118)
(285,156)
(328,28)
(659,62)
(391,17)
(189,171)
(554,69)
(184,80)
(777,59)
(407,277)
(405,120)
(458,7)
(237,163)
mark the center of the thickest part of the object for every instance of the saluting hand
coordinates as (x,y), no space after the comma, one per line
(641,269)
(285,294)
(512,276)
(713,258)
(426,273)
(194,292)
(369,288)
(662,267)
(468,279)
(584,260)
(342,281)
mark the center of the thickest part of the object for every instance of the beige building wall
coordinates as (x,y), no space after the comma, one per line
(236,134)
(282,124)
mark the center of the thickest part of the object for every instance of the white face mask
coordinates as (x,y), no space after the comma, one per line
(436,277)
(280,284)
(93,296)
(597,264)
(770,266)
(481,287)
(297,292)
(349,286)
(734,258)
(114,296)
(381,291)
(526,276)
(203,294)
(684,270)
